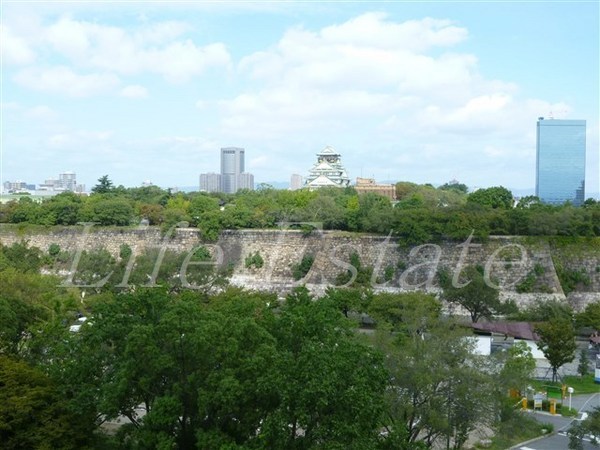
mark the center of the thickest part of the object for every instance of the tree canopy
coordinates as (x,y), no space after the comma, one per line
(420,214)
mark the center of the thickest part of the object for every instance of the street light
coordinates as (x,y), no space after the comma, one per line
(570,390)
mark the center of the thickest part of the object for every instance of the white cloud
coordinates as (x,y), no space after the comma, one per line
(41,112)
(370,83)
(368,68)
(134,91)
(378,77)
(62,80)
(372,29)
(154,48)
(15,50)
(10,106)
(76,140)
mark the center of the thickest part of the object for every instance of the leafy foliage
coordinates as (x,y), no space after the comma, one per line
(300,270)
(590,316)
(557,342)
(104,186)
(254,260)
(358,276)
(423,213)
(33,414)
(477,297)
(571,278)
(238,369)
(494,197)
(439,390)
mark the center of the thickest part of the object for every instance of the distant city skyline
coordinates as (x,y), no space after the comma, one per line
(405,91)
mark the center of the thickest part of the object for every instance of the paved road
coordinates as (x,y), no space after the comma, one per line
(559,440)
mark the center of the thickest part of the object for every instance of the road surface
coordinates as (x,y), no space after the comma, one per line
(560,440)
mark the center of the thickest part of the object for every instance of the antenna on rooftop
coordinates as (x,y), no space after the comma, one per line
(550,115)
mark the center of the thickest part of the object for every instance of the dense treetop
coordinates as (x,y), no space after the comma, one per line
(422,212)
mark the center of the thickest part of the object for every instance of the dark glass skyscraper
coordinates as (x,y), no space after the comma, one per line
(560,168)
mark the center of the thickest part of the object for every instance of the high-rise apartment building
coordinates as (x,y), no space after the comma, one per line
(210,182)
(232,177)
(560,167)
(68,181)
(246,181)
(232,165)
(295,182)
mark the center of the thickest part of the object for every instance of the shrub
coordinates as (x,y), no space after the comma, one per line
(527,284)
(300,270)
(538,269)
(388,273)
(570,279)
(255,261)
(54,250)
(125,251)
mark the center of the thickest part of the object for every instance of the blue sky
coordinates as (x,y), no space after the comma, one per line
(413,91)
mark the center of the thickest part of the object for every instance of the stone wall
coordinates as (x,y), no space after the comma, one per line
(507,259)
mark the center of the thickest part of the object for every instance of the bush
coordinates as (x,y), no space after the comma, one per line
(300,270)
(538,269)
(526,285)
(570,279)
(54,250)
(567,412)
(125,251)
(388,273)
(255,261)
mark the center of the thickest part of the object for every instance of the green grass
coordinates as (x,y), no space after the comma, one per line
(519,429)
(585,385)
(568,412)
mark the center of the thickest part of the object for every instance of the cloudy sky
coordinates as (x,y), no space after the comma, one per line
(422,92)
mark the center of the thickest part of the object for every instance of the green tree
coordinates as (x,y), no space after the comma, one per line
(21,257)
(583,367)
(590,316)
(34,415)
(529,201)
(544,310)
(200,373)
(117,211)
(493,197)
(477,297)
(454,186)
(400,312)
(25,210)
(329,386)
(201,205)
(518,366)
(222,371)
(349,299)
(576,433)
(63,208)
(557,342)
(27,301)
(104,186)
(591,426)
(439,390)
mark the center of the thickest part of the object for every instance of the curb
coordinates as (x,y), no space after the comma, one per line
(521,444)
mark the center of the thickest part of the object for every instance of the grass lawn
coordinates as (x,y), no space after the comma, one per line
(583,385)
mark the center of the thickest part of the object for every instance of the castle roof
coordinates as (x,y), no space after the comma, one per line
(327,171)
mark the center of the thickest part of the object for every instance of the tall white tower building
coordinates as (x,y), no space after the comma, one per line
(232,165)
